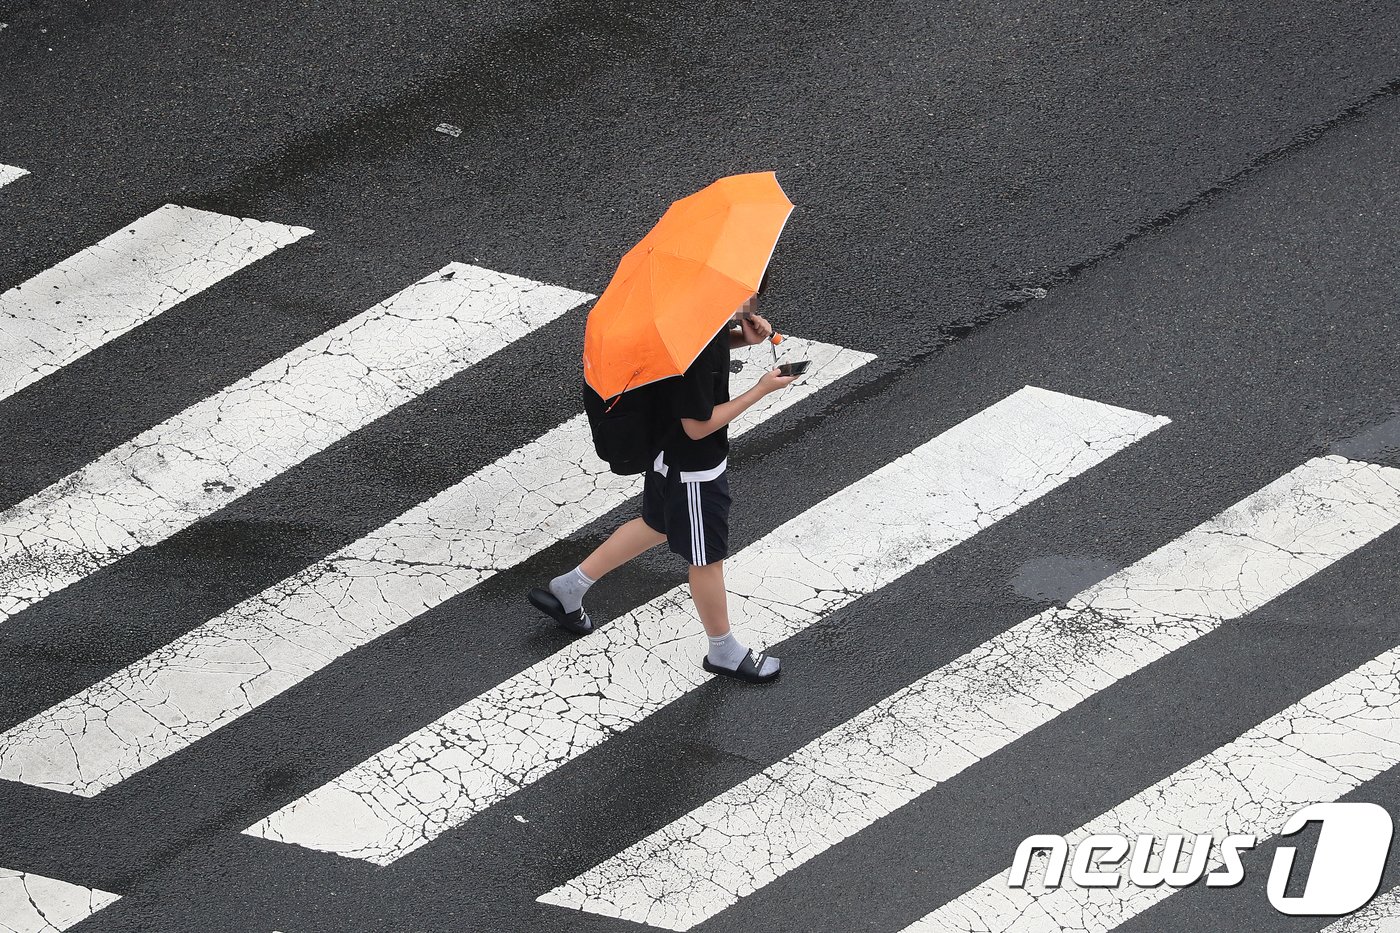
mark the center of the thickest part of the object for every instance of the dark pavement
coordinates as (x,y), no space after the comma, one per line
(1208,195)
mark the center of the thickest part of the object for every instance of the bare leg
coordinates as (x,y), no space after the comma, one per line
(622,545)
(711,602)
(707,589)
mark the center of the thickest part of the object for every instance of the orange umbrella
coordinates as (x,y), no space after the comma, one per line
(675,289)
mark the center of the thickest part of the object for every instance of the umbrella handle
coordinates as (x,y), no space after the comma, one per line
(773,339)
(773,336)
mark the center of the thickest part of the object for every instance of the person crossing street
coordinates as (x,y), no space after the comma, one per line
(686,502)
(656,390)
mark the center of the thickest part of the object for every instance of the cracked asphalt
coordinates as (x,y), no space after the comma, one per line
(1178,210)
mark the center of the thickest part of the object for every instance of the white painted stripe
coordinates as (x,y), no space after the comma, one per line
(31,903)
(888,755)
(123,281)
(169,477)
(9,173)
(1314,751)
(1380,916)
(492,520)
(855,542)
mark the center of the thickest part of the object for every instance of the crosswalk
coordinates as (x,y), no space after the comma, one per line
(1314,751)
(927,733)
(942,493)
(121,282)
(31,903)
(490,521)
(194,464)
(551,713)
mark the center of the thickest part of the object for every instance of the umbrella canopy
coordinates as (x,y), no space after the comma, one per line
(675,289)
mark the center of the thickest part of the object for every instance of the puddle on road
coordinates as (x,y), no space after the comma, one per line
(1378,443)
(1055,579)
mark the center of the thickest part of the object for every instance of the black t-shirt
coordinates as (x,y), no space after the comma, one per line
(694,395)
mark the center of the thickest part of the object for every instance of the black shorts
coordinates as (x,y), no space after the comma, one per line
(691,509)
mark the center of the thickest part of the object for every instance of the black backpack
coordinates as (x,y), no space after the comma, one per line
(628,430)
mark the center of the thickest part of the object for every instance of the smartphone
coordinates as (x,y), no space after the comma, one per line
(794,369)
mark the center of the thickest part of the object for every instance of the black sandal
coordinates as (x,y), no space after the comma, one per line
(576,622)
(747,671)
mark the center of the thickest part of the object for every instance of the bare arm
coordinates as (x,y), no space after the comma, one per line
(726,412)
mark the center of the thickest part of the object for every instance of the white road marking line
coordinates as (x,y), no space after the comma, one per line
(9,173)
(888,755)
(102,292)
(218,449)
(1380,916)
(31,903)
(864,537)
(1314,751)
(492,520)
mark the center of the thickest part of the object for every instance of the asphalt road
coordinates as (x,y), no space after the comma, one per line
(1206,196)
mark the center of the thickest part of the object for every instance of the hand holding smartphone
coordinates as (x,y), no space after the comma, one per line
(794,369)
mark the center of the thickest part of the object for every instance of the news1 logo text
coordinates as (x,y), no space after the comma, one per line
(1353,845)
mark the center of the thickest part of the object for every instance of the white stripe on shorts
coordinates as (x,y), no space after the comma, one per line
(697,525)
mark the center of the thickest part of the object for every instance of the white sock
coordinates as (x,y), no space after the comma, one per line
(728,652)
(570,587)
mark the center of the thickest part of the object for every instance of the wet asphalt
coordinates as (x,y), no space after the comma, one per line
(1205,198)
